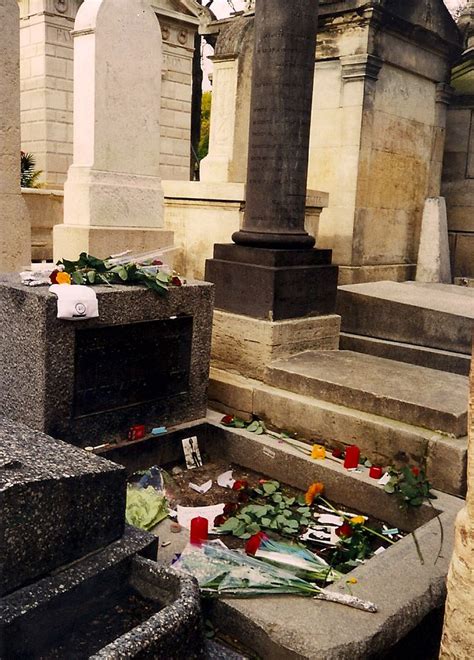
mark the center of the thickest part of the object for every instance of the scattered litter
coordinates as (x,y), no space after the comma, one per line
(390,532)
(175,528)
(159,430)
(201,489)
(320,536)
(165,544)
(172,513)
(177,470)
(383,481)
(379,550)
(187,513)
(356,469)
(192,453)
(328,519)
(225,480)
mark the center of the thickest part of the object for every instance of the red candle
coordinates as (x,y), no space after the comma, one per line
(375,472)
(352,457)
(199,531)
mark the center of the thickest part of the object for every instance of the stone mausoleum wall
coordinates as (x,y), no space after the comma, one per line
(47,85)
(377,130)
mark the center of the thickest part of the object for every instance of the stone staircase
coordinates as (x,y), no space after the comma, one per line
(400,393)
(429,325)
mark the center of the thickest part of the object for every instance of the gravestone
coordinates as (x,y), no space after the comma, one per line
(145,360)
(272,247)
(15,249)
(113,199)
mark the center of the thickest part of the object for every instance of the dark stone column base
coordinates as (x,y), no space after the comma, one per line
(273,284)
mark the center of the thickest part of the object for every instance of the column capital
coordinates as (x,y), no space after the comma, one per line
(360,67)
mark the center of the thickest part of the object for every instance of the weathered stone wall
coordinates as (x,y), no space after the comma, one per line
(377,130)
(47,85)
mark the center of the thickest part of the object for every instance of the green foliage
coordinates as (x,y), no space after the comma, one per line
(28,175)
(268,509)
(203,147)
(410,486)
(91,270)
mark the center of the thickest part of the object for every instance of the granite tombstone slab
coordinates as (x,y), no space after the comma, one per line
(145,360)
(57,504)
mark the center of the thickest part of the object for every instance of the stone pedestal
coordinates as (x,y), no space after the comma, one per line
(114,181)
(15,250)
(273,284)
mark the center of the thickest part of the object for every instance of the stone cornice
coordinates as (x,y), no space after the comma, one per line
(360,67)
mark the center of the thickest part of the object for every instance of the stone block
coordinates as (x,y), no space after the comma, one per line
(248,346)
(446,464)
(58,504)
(231,393)
(292,283)
(433,253)
(144,360)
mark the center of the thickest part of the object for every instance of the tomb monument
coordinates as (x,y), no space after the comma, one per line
(113,199)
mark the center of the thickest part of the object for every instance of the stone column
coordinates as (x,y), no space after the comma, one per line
(272,272)
(113,198)
(280,116)
(458,633)
(15,249)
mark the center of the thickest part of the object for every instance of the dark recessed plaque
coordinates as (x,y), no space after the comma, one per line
(128,365)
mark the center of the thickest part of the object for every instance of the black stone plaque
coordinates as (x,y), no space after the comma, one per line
(127,365)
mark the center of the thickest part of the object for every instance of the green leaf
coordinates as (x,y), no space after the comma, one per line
(230,525)
(239,423)
(122,273)
(253,528)
(77,277)
(162,277)
(245,536)
(389,488)
(91,276)
(289,501)
(259,430)
(266,521)
(252,427)
(277,498)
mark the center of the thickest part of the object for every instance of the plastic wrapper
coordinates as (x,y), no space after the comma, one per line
(223,572)
(166,256)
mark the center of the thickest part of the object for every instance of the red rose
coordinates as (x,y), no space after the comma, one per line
(227,420)
(243,498)
(415,471)
(230,508)
(219,520)
(344,531)
(175,281)
(337,453)
(262,481)
(254,543)
(53,276)
(156,262)
(240,485)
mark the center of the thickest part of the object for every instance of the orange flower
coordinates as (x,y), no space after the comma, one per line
(313,491)
(63,278)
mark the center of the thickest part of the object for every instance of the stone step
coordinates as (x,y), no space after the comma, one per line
(433,358)
(432,399)
(432,315)
(384,441)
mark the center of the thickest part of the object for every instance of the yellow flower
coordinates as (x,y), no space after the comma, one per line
(313,491)
(351,581)
(318,451)
(63,278)
(358,520)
